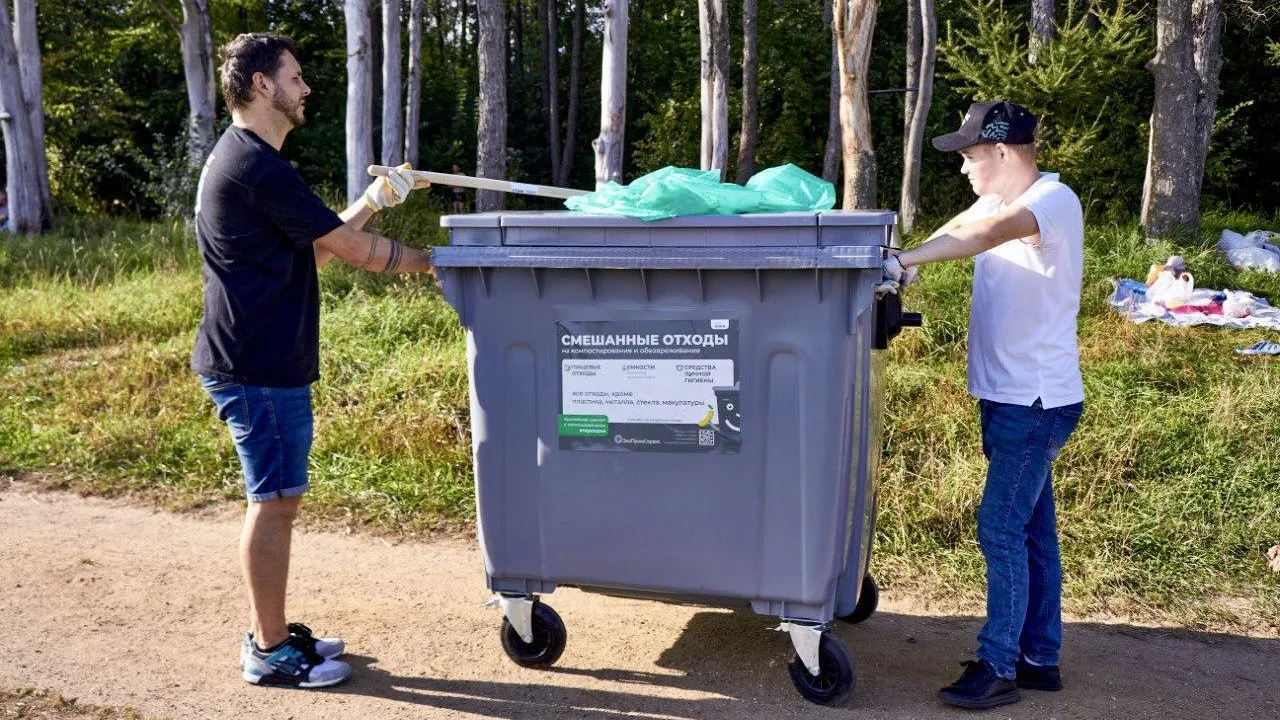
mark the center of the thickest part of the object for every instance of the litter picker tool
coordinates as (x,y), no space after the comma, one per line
(505,186)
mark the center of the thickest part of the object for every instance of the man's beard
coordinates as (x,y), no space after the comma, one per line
(294,111)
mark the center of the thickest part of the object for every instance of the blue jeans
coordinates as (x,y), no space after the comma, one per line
(272,430)
(1018,534)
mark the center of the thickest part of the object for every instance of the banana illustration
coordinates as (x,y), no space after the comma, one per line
(706,419)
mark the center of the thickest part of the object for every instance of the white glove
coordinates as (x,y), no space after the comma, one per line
(896,273)
(389,190)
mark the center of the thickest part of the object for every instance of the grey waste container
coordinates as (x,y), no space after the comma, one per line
(686,410)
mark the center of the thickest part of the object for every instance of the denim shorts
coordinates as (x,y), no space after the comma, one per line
(272,429)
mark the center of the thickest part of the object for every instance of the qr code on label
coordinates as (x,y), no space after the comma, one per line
(706,437)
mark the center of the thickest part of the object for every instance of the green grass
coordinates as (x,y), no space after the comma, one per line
(97,322)
(1169,492)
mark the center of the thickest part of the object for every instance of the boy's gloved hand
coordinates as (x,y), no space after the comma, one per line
(895,272)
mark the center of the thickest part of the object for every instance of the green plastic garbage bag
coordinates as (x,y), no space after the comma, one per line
(674,191)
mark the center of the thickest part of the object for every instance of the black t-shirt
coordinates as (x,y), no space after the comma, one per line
(255,222)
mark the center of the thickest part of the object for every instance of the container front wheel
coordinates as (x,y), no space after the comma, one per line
(868,599)
(835,680)
(548,639)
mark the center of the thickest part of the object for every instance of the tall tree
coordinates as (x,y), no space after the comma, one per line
(519,34)
(195,34)
(544,55)
(855,22)
(1041,27)
(392,109)
(713,26)
(413,93)
(1186,65)
(27,41)
(831,154)
(375,68)
(749,138)
(575,74)
(465,27)
(491,145)
(913,55)
(359,97)
(551,79)
(917,109)
(613,94)
(437,11)
(20,149)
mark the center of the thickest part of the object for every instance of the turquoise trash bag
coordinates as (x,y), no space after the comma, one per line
(673,191)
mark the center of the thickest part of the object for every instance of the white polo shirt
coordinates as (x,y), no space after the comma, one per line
(1022,323)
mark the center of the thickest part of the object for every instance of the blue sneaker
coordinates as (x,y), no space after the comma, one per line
(294,663)
(328,648)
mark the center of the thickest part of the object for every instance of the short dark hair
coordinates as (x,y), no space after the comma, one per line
(247,54)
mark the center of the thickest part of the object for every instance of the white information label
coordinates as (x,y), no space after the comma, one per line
(644,391)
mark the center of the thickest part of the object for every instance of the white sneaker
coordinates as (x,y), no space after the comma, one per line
(294,663)
(328,648)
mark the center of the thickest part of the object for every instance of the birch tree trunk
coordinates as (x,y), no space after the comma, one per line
(855,22)
(20,151)
(27,41)
(491,145)
(918,114)
(913,66)
(359,97)
(908,112)
(713,24)
(613,94)
(1041,27)
(1186,65)
(413,91)
(196,33)
(831,155)
(575,74)
(392,107)
(749,138)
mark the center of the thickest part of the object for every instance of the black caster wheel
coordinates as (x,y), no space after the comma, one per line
(548,639)
(834,683)
(868,599)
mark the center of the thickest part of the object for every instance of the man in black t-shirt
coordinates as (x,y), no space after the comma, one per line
(262,234)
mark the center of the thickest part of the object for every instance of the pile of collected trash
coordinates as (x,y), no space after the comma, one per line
(1170,286)
(1255,251)
(1169,294)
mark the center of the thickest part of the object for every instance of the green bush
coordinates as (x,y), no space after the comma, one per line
(171,183)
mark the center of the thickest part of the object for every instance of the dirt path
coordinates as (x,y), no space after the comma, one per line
(122,606)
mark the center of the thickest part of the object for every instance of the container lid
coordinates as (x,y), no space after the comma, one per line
(569,229)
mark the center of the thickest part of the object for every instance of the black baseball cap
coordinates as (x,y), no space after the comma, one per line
(998,121)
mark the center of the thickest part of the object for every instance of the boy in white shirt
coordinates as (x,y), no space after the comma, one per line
(1027,233)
